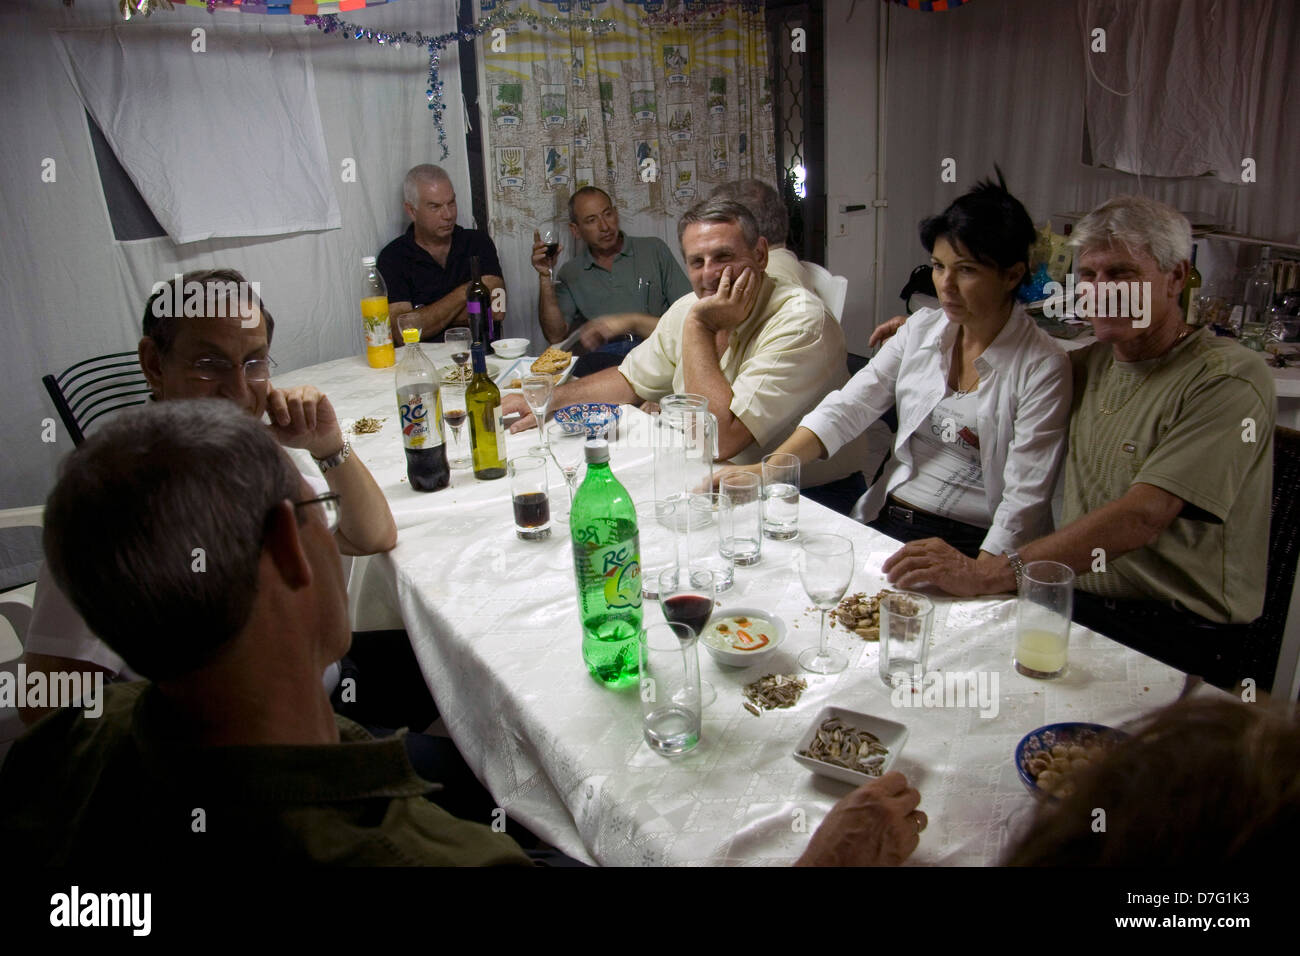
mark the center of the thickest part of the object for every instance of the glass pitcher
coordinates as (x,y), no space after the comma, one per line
(685,443)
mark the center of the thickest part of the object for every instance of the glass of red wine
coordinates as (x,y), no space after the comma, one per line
(458,339)
(551,237)
(686,595)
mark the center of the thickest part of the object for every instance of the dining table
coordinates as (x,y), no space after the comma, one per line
(493,622)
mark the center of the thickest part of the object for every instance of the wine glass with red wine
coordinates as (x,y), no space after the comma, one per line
(551,237)
(686,595)
(458,339)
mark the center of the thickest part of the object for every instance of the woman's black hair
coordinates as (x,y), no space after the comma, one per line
(989,221)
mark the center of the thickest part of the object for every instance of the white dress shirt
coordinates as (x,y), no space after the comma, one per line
(1024,409)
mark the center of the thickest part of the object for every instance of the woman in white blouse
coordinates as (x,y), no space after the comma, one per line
(983,395)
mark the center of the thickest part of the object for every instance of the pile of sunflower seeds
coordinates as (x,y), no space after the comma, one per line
(861,615)
(773,691)
(848,747)
(367,425)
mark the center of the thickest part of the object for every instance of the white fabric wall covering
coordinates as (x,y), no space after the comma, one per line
(1176,91)
(1005,82)
(156,132)
(68,290)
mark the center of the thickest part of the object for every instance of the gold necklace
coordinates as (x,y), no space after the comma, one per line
(1111,411)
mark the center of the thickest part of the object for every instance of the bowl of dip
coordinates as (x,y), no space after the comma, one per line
(742,636)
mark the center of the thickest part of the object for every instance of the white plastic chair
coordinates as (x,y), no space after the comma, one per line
(15,617)
(833,290)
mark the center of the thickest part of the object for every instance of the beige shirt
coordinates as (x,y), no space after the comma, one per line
(784,264)
(1197,423)
(781,361)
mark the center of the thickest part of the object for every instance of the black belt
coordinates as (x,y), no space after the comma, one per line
(911,515)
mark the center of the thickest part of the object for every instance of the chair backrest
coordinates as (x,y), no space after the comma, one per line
(1277,630)
(93,388)
(831,289)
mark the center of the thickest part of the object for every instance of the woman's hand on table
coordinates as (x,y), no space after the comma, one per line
(877,824)
(514,404)
(935,563)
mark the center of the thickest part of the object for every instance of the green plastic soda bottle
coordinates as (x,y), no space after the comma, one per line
(607,563)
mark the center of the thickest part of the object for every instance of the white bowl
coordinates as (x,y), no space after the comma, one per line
(735,658)
(510,348)
(891,734)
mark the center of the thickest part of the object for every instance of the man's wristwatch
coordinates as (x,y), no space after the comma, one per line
(1017,566)
(336,459)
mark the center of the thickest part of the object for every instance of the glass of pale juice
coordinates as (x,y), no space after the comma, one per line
(1043,613)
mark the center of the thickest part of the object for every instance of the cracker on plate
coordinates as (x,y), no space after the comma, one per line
(552,361)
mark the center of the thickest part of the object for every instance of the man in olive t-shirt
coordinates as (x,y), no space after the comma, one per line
(1168,478)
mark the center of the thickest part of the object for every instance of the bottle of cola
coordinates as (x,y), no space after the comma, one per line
(419,411)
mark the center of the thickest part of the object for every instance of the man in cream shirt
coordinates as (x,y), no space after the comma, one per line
(761,350)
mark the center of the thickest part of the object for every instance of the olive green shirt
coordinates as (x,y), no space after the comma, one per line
(79,791)
(1197,423)
(644,277)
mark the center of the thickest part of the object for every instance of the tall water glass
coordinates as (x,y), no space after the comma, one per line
(780,496)
(906,619)
(742,533)
(1043,613)
(659,542)
(670,688)
(706,515)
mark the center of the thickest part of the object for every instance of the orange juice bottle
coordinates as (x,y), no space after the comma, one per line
(374,317)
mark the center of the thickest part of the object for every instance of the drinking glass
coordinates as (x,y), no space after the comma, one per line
(537,391)
(780,496)
(458,339)
(453,413)
(742,533)
(905,622)
(551,236)
(825,564)
(686,596)
(659,542)
(528,493)
(670,688)
(707,513)
(1043,613)
(569,451)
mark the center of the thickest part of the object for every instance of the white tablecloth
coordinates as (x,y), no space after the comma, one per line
(493,621)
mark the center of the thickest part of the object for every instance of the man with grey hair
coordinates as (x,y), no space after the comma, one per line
(1168,477)
(762,351)
(232,717)
(773,221)
(427,268)
(614,290)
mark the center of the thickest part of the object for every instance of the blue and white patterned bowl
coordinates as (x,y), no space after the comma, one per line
(595,417)
(1045,738)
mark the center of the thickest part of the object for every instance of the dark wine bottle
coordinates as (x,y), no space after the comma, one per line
(478,303)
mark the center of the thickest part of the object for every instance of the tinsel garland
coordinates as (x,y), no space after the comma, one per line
(331,24)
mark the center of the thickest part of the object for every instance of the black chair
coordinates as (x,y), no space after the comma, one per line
(1259,651)
(94,388)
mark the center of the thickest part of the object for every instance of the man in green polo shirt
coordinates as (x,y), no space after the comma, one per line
(191,544)
(615,288)
(1169,473)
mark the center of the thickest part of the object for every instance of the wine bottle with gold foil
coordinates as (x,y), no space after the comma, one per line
(487,437)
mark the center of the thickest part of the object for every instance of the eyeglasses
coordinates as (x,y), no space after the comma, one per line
(330,503)
(215,369)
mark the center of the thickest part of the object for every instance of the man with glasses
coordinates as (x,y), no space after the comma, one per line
(224,353)
(231,717)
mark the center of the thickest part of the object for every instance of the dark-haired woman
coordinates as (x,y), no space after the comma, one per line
(983,395)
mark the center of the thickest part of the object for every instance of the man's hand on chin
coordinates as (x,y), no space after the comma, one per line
(302,417)
(732,303)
